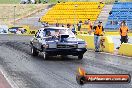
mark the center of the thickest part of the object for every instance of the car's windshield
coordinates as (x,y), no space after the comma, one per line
(53,32)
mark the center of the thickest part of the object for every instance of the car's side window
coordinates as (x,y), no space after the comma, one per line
(48,33)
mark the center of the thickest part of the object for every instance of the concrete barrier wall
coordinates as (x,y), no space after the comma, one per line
(89,39)
(81,32)
(109,44)
(33,32)
(125,49)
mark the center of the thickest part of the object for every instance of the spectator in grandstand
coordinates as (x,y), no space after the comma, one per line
(73,29)
(85,22)
(101,1)
(63,25)
(99,7)
(39,20)
(88,21)
(47,24)
(43,24)
(58,1)
(79,25)
(116,22)
(46,1)
(123,32)
(68,25)
(89,27)
(98,31)
(111,22)
(57,24)
(110,13)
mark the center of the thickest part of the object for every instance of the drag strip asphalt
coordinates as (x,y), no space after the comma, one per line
(25,71)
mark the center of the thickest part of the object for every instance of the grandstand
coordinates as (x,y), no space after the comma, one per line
(72,12)
(120,11)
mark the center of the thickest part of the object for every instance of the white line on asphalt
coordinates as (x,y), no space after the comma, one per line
(8,78)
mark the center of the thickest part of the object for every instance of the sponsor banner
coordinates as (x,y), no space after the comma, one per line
(108,78)
(33,32)
(84,78)
(3,29)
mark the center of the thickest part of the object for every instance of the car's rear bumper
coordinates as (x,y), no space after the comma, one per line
(75,52)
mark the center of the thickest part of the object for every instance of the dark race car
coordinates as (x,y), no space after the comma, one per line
(53,41)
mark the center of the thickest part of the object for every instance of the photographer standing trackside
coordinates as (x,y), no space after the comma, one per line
(98,31)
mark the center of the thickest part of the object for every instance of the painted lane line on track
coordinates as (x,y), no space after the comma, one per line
(55,73)
(56,76)
(66,81)
(8,78)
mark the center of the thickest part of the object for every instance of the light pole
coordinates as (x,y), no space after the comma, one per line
(14,14)
(75,15)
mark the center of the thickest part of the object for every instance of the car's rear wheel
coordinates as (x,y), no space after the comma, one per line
(34,51)
(80,56)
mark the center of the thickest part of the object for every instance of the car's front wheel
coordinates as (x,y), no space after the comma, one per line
(34,51)
(80,56)
(45,55)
